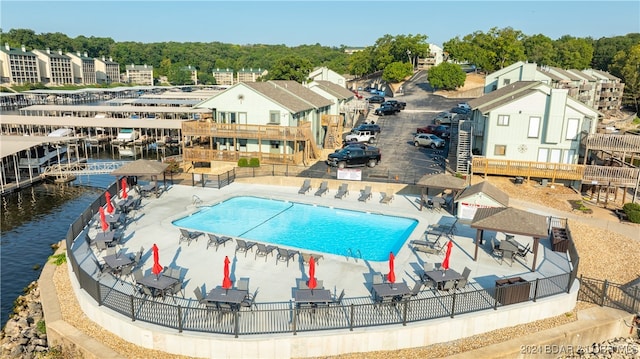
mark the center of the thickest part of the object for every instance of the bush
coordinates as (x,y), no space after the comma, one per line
(633,211)
(254,162)
(243,162)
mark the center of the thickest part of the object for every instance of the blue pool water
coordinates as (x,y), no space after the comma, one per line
(308,227)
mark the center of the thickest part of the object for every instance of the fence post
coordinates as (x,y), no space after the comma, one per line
(351,318)
(133,312)
(404,312)
(635,298)
(179,319)
(453,304)
(604,292)
(273,170)
(98,291)
(236,324)
(295,319)
(495,303)
(535,290)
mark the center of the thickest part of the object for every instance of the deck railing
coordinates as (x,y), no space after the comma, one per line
(283,317)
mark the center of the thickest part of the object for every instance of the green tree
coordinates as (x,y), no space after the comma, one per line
(627,64)
(178,75)
(446,76)
(491,51)
(360,62)
(539,49)
(605,48)
(290,68)
(573,53)
(206,78)
(397,71)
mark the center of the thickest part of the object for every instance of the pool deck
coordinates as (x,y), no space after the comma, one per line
(275,282)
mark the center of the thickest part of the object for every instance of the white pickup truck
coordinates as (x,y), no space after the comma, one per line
(361,136)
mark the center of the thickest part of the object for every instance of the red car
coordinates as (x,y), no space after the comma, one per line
(357,95)
(438,130)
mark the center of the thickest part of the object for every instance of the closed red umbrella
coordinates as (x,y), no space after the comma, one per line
(103,220)
(445,262)
(391,277)
(107,196)
(157,268)
(226,281)
(312,274)
(124,188)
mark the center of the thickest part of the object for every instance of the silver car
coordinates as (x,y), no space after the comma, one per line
(428,139)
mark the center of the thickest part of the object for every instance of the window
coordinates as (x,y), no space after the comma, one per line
(543,154)
(500,150)
(555,155)
(534,127)
(505,82)
(275,144)
(503,120)
(242,142)
(274,117)
(568,156)
(572,128)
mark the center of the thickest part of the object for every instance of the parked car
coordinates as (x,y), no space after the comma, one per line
(368,127)
(441,131)
(443,117)
(395,103)
(355,155)
(376,99)
(460,110)
(356,94)
(361,136)
(385,110)
(464,105)
(428,140)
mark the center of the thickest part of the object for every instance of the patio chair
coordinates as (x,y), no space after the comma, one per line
(110,251)
(387,196)
(243,284)
(342,191)
(322,190)
(199,296)
(377,278)
(416,289)
(466,272)
(126,271)
(461,283)
(101,246)
(138,275)
(365,195)
(523,251)
(264,250)
(284,255)
(448,285)
(146,291)
(249,301)
(188,236)
(301,284)
(244,246)
(306,186)
(216,241)
(174,289)
(89,241)
(306,257)
(102,268)
(496,251)
(138,256)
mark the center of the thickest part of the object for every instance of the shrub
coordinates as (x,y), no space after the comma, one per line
(58,259)
(243,162)
(633,211)
(254,162)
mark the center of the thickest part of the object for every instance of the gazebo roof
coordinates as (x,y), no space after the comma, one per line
(442,180)
(141,168)
(511,220)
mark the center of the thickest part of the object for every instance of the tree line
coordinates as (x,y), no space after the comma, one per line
(396,56)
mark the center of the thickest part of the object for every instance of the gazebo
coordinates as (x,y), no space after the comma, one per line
(143,168)
(441,181)
(510,220)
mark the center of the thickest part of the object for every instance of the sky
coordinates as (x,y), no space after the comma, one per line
(328,23)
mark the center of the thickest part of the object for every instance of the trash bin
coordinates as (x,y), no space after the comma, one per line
(512,290)
(544,182)
(519,180)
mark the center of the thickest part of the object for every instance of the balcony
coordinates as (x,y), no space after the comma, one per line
(240,131)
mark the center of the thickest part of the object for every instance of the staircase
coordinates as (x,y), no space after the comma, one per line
(315,152)
(460,146)
(333,138)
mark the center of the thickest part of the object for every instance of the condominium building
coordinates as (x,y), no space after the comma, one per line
(224,76)
(435,57)
(83,67)
(55,67)
(140,74)
(193,73)
(250,75)
(18,66)
(107,71)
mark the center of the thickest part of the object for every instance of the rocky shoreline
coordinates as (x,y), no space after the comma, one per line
(24,335)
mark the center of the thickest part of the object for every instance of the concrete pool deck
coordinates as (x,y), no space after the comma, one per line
(153,224)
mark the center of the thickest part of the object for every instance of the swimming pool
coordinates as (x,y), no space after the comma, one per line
(308,227)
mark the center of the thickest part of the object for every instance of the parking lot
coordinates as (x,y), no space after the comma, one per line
(402,162)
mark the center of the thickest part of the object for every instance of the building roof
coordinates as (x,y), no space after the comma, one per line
(52,54)
(581,74)
(55,121)
(296,89)
(549,74)
(278,95)
(338,91)
(606,75)
(488,189)
(15,144)
(569,75)
(141,168)
(511,220)
(16,51)
(442,180)
(140,67)
(223,70)
(503,95)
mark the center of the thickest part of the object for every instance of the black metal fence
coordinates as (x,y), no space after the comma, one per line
(607,294)
(284,317)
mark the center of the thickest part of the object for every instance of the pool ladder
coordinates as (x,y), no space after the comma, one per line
(195,200)
(351,254)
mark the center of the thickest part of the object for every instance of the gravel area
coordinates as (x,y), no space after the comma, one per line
(600,258)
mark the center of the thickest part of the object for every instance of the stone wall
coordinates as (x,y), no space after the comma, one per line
(24,334)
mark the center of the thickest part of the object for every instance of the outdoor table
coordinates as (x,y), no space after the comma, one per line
(230,296)
(125,205)
(386,290)
(106,237)
(157,283)
(112,218)
(312,296)
(508,248)
(440,276)
(117,261)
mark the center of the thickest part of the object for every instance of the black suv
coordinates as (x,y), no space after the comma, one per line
(355,155)
(368,127)
(385,110)
(376,99)
(399,105)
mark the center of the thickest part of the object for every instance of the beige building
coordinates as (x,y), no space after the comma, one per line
(140,74)
(107,71)
(250,75)
(193,73)
(55,67)
(224,77)
(83,68)
(18,66)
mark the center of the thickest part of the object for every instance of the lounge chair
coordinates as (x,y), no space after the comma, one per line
(188,236)
(365,195)
(244,246)
(388,196)
(421,246)
(324,187)
(285,255)
(264,250)
(306,257)
(216,241)
(306,187)
(343,190)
